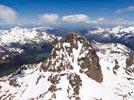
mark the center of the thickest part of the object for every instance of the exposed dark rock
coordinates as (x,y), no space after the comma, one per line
(130,60)
(14,83)
(115,67)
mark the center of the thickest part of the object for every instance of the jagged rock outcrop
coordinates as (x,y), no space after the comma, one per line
(72,58)
(74,53)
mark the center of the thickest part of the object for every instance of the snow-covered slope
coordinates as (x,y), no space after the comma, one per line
(50,80)
(13,39)
(121,29)
(118,34)
(117,62)
(24,35)
(114,30)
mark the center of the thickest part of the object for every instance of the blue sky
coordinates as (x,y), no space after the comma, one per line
(94,11)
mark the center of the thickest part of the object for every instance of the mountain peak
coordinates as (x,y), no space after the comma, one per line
(74,37)
(72,34)
(74,54)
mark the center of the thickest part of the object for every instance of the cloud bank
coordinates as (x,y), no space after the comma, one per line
(127,9)
(49,18)
(76,18)
(8,15)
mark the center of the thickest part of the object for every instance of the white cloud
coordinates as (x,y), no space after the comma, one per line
(76,18)
(127,9)
(49,18)
(8,15)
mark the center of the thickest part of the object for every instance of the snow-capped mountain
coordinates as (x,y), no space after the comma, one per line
(74,71)
(24,35)
(71,53)
(10,40)
(20,46)
(114,30)
(118,34)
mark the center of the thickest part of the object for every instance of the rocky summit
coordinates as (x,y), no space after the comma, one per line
(74,55)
